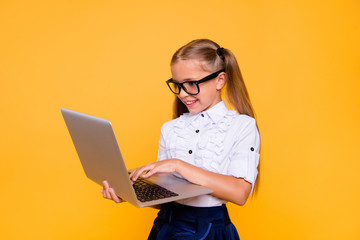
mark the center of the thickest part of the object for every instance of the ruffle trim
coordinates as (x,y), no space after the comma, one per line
(208,154)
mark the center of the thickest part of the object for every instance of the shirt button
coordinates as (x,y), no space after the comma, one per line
(190,151)
(197,131)
(202,115)
(252,149)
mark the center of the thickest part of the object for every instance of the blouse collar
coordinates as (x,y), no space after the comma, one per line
(217,112)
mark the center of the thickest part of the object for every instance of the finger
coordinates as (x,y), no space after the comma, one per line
(107,188)
(103,189)
(103,192)
(108,195)
(132,173)
(114,196)
(150,173)
(105,184)
(138,172)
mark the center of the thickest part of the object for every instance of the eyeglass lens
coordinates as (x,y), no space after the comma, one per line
(189,87)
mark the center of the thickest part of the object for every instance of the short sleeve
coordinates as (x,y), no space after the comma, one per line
(244,157)
(162,152)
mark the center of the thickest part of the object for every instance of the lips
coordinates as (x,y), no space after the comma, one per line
(190,103)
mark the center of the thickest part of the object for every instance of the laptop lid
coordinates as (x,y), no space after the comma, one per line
(100,156)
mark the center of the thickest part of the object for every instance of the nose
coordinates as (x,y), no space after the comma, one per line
(182,93)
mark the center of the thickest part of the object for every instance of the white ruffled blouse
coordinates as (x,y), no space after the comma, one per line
(218,140)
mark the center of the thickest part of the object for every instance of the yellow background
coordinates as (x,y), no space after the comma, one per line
(300,61)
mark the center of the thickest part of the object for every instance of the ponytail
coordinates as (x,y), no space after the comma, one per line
(236,91)
(237,95)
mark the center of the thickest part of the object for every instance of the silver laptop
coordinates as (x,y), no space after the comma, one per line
(100,156)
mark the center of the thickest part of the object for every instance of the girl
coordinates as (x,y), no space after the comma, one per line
(205,143)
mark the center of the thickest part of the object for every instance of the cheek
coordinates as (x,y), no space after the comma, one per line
(208,91)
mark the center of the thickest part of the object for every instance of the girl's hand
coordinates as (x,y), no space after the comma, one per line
(109,193)
(155,168)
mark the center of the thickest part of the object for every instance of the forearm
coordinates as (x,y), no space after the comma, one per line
(226,187)
(229,188)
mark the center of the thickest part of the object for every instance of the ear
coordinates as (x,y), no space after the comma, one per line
(221,80)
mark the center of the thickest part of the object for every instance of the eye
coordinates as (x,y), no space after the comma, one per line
(191,84)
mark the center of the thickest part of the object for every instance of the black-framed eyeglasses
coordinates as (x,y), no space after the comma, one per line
(191,87)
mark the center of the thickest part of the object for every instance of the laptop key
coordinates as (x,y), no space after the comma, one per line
(147,191)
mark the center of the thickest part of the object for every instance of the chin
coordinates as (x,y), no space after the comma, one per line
(194,111)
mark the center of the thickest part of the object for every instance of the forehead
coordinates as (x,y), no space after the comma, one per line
(185,70)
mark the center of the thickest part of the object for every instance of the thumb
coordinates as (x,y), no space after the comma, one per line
(149,173)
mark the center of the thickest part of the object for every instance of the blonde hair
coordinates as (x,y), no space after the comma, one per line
(205,51)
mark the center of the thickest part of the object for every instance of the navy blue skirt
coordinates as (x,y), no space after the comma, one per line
(181,222)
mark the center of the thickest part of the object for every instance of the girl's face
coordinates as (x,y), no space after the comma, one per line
(209,95)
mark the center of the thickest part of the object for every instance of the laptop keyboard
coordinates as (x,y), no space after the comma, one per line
(148,191)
